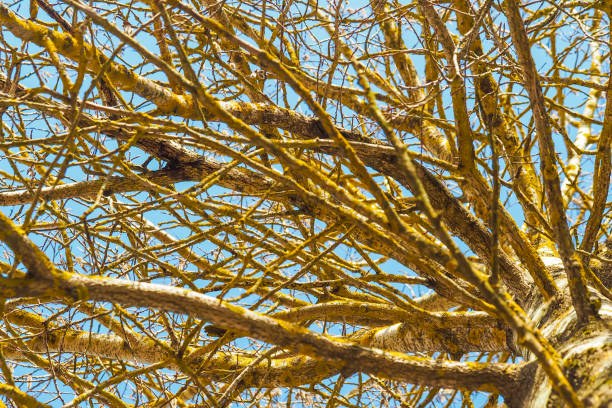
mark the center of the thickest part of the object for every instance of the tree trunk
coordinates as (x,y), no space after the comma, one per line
(586,351)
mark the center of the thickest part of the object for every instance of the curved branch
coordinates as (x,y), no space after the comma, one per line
(292,371)
(21,397)
(500,378)
(554,197)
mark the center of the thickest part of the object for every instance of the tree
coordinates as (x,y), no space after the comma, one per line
(265,203)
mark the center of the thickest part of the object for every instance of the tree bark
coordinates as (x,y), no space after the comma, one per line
(586,350)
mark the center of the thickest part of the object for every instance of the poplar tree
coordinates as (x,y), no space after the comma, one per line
(269,203)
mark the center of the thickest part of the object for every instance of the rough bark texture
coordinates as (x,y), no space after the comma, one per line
(309,170)
(586,351)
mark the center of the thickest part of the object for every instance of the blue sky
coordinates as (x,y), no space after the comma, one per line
(162,217)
